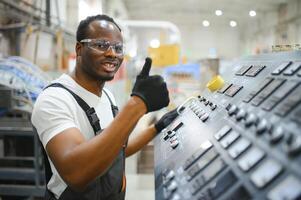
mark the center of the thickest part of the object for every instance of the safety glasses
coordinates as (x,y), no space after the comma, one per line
(102,45)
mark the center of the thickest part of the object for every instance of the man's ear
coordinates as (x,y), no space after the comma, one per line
(78,49)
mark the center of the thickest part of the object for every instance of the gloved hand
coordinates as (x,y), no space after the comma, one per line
(165,120)
(151,89)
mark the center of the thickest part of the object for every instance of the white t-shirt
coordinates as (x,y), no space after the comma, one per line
(56,110)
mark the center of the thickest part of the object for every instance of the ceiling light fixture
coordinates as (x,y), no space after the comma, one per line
(206,23)
(218,12)
(252,13)
(154,43)
(233,23)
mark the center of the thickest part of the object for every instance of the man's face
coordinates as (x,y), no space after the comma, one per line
(102,56)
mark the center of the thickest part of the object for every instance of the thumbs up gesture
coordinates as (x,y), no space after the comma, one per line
(151,89)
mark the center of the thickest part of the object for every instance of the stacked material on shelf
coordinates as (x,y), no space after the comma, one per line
(24,80)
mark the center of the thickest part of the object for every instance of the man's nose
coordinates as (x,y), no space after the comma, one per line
(111,51)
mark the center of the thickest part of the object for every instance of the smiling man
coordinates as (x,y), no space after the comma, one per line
(85,140)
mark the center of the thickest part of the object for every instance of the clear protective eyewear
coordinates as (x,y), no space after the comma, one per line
(104,45)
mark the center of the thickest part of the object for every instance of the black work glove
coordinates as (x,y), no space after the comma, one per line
(165,120)
(151,89)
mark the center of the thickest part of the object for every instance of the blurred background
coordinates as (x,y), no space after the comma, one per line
(189,41)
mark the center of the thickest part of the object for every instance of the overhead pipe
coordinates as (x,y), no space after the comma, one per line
(153,24)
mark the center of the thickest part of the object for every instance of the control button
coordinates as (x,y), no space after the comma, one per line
(174,143)
(279,94)
(201,163)
(253,93)
(173,138)
(250,158)
(297,115)
(166,193)
(262,126)
(232,110)
(267,91)
(228,106)
(265,173)
(241,114)
(193,108)
(224,88)
(276,134)
(171,134)
(293,144)
(251,119)
(289,188)
(197,185)
(201,98)
(175,197)
(172,186)
(239,193)
(216,83)
(239,147)
(206,102)
(229,139)
(292,69)
(178,126)
(204,195)
(289,102)
(224,182)
(233,90)
(222,132)
(165,135)
(199,113)
(281,68)
(213,106)
(195,156)
(167,175)
(243,70)
(254,70)
(213,169)
(204,117)
(170,175)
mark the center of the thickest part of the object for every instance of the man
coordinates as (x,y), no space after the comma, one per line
(74,117)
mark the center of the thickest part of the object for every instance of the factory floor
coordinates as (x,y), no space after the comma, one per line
(139,186)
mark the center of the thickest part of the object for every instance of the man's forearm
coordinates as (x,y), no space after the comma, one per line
(136,143)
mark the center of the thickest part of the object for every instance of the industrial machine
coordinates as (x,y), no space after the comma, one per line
(240,142)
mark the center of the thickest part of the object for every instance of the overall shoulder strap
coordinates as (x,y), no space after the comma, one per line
(90,111)
(115,111)
(113,107)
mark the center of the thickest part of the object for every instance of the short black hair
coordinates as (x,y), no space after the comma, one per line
(83,25)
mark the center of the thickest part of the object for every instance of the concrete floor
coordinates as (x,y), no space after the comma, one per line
(139,186)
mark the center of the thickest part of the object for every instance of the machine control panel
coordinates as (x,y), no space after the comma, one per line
(240,142)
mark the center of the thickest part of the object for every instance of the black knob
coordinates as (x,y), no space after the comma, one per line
(241,114)
(289,138)
(232,110)
(276,134)
(263,126)
(293,144)
(250,119)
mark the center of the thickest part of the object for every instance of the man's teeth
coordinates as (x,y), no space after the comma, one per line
(109,65)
